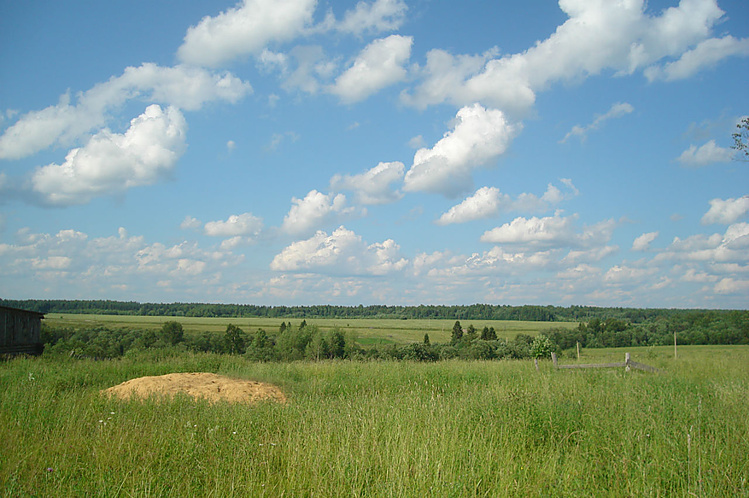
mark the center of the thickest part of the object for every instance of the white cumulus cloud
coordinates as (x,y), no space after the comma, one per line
(484,203)
(598,35)
(479,136)
(190,223)
(374,186)
(245,29)
(185,87)
(552,231)
(342,252)
(709,153)
(548,231)
(112,163)
(374,17)
(308,214)
(245,224)
(379,65)
(726,211)
(707,53)
(642,243)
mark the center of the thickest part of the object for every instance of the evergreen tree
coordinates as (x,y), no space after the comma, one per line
(471,335)
(457,334)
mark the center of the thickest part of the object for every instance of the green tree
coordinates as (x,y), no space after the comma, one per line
(541,347)
(471,333)
(171,333)
(235,340)
(488,334)
(457,334)
(426,339)
(336,343)
(262,347)
(317,348)
(741,139)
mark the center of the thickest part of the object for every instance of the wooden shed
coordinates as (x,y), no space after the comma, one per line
(20,331)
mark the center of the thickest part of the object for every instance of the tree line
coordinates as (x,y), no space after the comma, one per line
(288,343)
(690,328)
(310,342)
(456,312)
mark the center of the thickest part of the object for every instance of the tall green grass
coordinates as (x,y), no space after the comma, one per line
(450,428)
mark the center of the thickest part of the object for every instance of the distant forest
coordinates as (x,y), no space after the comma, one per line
(464,312)
(597,328)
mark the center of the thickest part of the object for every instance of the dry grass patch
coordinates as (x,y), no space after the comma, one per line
(208,386)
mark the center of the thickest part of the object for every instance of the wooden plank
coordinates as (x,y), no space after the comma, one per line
(642,366)
(597,365)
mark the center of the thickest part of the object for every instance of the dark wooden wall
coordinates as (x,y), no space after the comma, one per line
(20,331)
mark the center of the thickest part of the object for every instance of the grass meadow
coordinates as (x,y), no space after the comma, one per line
(368,331)
(451,428)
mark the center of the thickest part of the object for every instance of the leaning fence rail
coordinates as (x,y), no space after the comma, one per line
(627,364)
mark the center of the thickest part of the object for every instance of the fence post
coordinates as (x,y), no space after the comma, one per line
(535,361)
(554,359)
(578,350)
(626,362)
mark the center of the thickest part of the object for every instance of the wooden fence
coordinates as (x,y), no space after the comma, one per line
(627,364)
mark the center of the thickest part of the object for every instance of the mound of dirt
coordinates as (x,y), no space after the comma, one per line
(198,385)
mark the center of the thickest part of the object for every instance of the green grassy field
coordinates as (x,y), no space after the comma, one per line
(452,428)
(368,331)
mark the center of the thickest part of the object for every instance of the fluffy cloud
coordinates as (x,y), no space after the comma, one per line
(709,153)
(378,16)
(184,87)
(102,265)
(550,231)
(732,286)
(310,65)
(443,76)
(111,163)
(245,29)
(487,202)
(479,136)
(190,223)
(726,211)
(316,209)
(627,275)
(731,247)
(373,186)
(707,53)
(245,224)
(484,203)
(380,64)
(494,261)
(598,35)
(342,252)
(617,110)
(642,243)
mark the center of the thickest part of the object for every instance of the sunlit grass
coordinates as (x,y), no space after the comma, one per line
(451,428)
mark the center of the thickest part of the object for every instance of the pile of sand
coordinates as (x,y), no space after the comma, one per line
(198,385)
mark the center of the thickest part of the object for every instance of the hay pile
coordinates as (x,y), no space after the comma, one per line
(198,385)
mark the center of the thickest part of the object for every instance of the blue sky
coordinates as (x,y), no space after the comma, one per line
(386,151)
